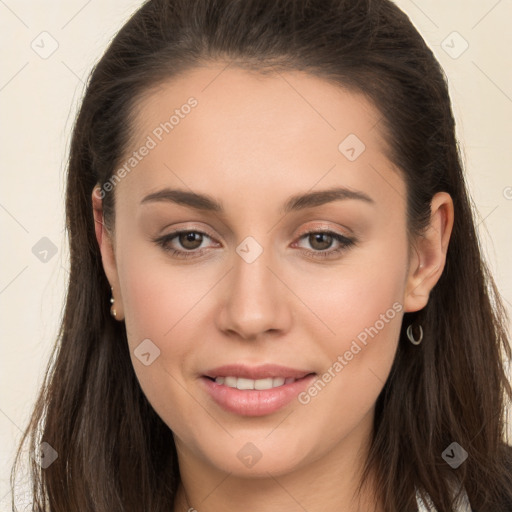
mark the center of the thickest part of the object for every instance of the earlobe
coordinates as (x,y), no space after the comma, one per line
(428,257)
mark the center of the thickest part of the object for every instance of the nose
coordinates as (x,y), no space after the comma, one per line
(254,301)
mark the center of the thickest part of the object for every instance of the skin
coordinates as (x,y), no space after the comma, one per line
(251,143)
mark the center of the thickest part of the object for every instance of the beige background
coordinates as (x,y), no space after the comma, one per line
(39,94)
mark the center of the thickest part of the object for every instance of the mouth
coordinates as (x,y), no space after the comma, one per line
(255,391)
(256,373)
(259,384)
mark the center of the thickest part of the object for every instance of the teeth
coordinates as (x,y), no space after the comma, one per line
(277,381)
(264,383)
(259,384)
(230,381)
(245,383)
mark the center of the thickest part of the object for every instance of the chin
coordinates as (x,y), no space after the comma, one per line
(256,456)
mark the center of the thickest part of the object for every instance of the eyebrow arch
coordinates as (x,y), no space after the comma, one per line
(294,203)
(320,197)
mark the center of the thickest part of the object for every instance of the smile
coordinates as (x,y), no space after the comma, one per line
(255,390)
(259,384)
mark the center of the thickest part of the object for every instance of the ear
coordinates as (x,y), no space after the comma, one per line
(106,246)
(428,254)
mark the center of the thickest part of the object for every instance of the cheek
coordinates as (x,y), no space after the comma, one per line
(158,298)
(161,304)
(357,296)
(360,308)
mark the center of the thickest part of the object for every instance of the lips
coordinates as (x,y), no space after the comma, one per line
(257,372)
(255,391)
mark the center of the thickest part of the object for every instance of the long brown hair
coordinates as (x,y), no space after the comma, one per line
(114,451)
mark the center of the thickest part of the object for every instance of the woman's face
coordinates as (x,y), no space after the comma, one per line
(247,166)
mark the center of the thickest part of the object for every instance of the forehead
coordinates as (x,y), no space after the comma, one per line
(224,128)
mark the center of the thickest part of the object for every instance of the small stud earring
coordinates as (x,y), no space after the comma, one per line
(410,335)
(113,311)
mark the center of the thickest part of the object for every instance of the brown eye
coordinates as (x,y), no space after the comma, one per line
(190,239)
(320,241)
(185,243)
(325,244)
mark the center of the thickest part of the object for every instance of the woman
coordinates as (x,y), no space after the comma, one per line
(277,299)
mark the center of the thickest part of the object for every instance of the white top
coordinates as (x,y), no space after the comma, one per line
(462,504)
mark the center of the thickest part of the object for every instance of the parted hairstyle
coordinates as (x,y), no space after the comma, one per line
(114,452)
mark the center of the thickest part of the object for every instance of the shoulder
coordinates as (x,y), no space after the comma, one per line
(504,502)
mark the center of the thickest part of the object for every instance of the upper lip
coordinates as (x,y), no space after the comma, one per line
(256,372)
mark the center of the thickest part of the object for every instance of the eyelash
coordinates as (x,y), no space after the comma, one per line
(345,243)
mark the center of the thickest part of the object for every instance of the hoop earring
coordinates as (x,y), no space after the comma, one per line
(410,335)
(113,311)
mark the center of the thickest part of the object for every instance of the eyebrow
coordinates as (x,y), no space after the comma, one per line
(297,202)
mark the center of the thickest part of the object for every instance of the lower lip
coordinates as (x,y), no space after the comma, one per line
(254,402)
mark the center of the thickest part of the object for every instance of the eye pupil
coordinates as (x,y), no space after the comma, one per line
(190,240)
(324,239)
